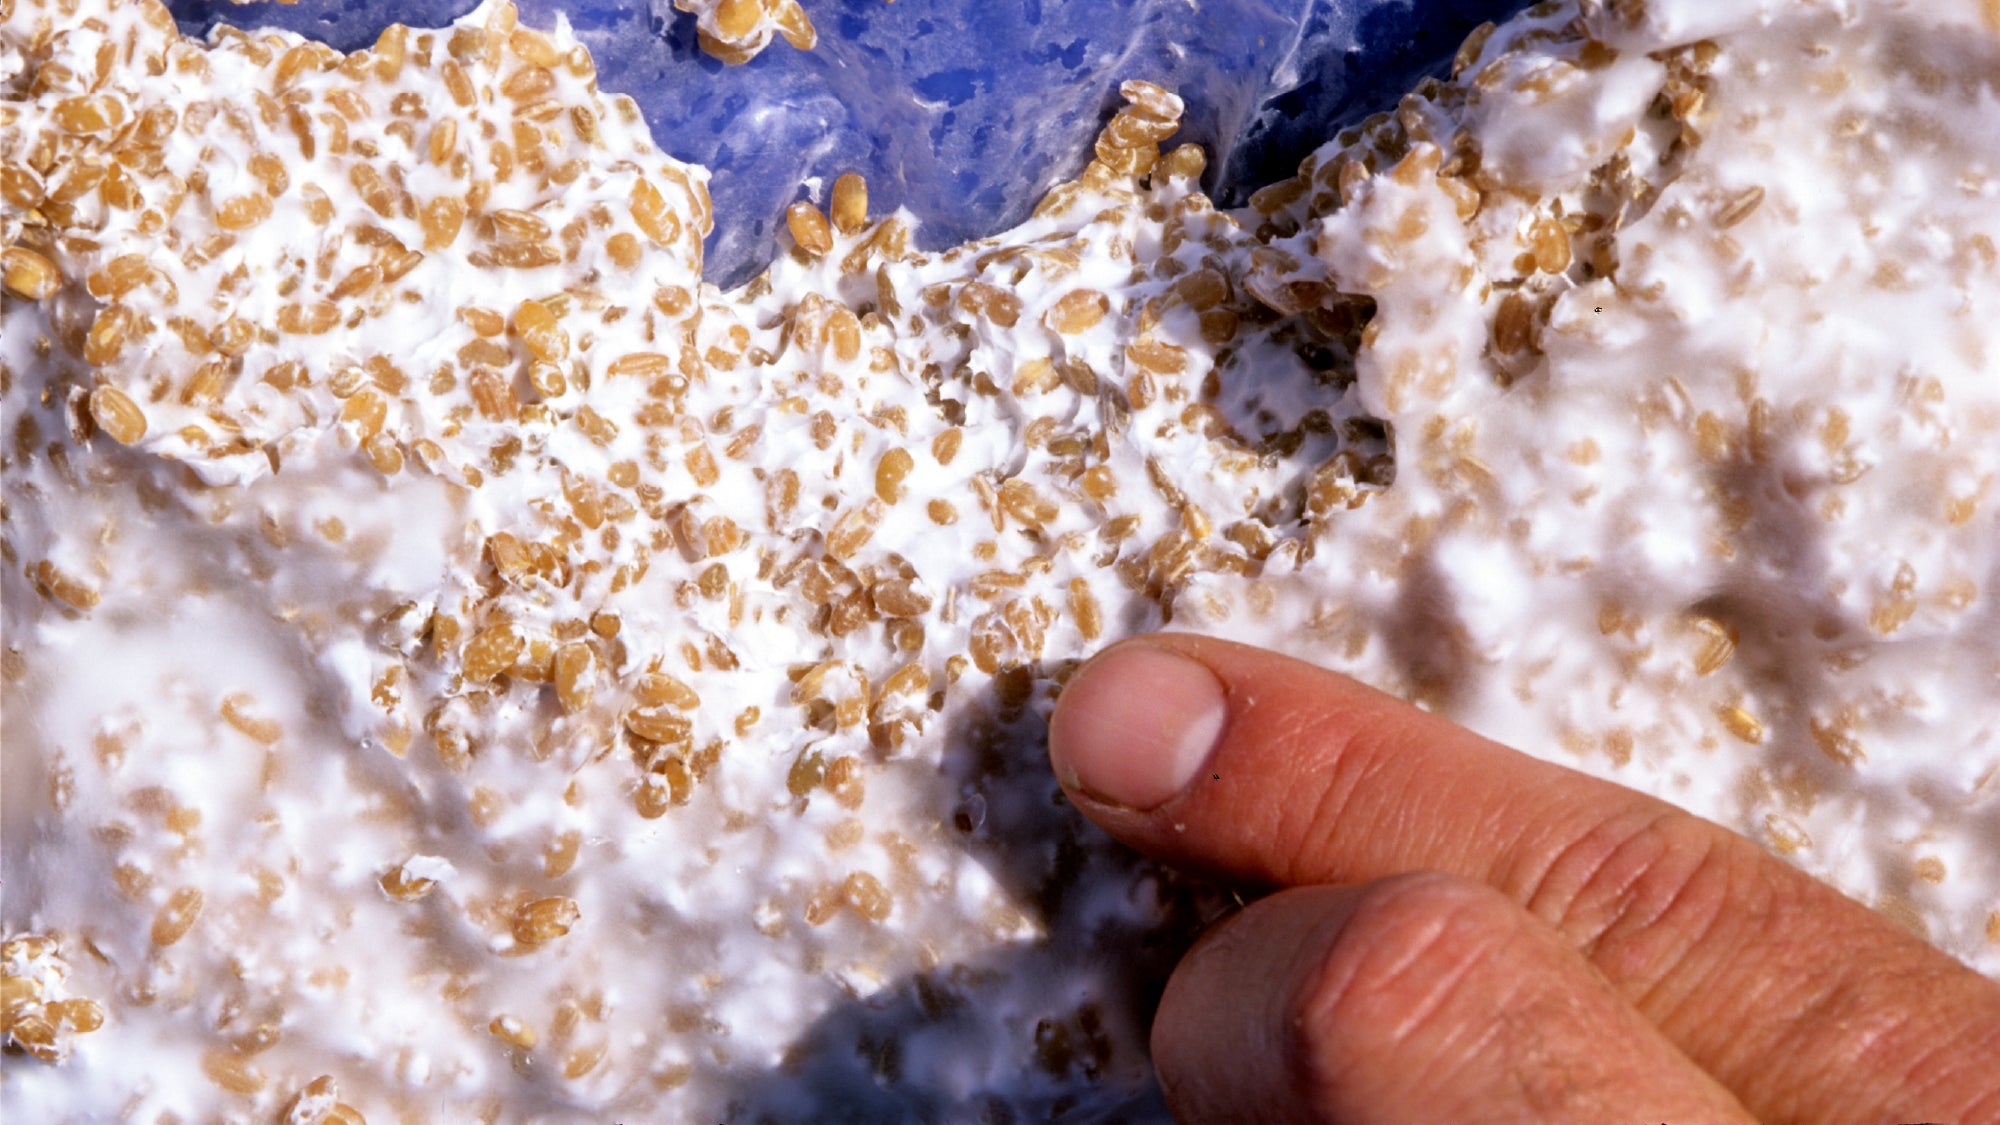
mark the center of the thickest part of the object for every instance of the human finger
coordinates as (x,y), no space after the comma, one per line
(1256,768)
(1419,997)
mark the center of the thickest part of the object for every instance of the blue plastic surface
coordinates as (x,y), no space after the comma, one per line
(965,111)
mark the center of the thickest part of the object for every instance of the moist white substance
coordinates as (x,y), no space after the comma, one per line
(639,721)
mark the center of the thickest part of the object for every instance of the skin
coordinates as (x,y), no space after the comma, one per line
(1462,932)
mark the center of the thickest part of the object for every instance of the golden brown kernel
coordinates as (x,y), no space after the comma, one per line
(655,725)
(399,885)
(866,894)
(945,446)
(809,229)
(1742,724)
(443,217)
(540,331)
(545,919)
(492,652)
(367,411)
(853,530)
(641,365)
(1717,645)
(794,25)
(1021,501)
(117,415)
(1514,324)
(28,274)
(243,212)
(574,671)
(516,1033)
(90,113)
(1150,355)
(624,249)
(657,689)
(78,1014)
(990,302)
(236,712)
(891,473)
(1739,207)
(897,598)
(232,1072)
(736,19)
(1077,311)
(850,203)
(177,916)
(1084,607)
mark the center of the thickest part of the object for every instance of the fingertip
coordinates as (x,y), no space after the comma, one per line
(1136,725)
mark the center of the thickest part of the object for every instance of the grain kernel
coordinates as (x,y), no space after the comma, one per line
(795,25)
(979,299)
(583,1060)
(243,212)
(890,474)
(910,680)
(90,113)
(641,365)
(1514,324)
(1739,207)
(442,218)
(844,332)
(866,894)
(384,454)
(1742,724)
(736,19)
(540,331)
(492,652)
(1548,242)
(945,446)
(493,394)
(1084,607)
(514,1032)
(850,203)
(236,712)
(897,598)
(662,727)
(177,916)
(315,1103)
(1716,646)
(117,415)
(545,919)
(367,411)
(1077,311)
(232,1072)
(79,1014)
(1156,356)
(809,229)
(1021,501)
(315,319)
(852,531)
(28,274)
(1099,483)
(624,249)
(575,668)
(401,886)
(657,689)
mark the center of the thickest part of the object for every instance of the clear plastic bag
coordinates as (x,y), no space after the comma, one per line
(964,111)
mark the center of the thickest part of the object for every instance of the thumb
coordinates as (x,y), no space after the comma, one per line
(1258,769)
(1414,998)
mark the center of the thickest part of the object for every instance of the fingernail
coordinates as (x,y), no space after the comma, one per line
(1136,726)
